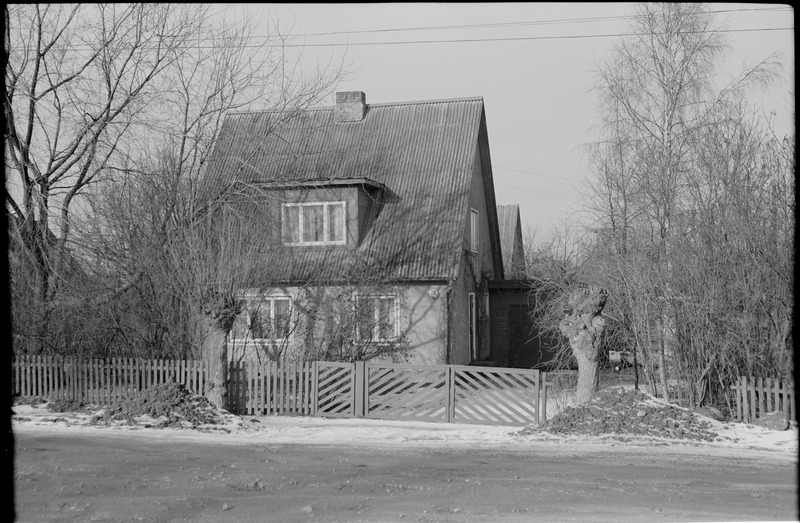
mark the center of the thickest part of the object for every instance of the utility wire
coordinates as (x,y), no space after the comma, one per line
(461,40)
(496,25)
(532,189)
(507,39)
(537,174)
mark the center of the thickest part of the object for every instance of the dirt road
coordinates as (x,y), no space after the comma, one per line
(110,477)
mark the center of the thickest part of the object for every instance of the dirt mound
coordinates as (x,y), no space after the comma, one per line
(627,411)
(165,405)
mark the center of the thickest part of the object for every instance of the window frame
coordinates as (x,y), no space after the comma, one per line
(274,340)
(376,326)
(474,231)
(326,227)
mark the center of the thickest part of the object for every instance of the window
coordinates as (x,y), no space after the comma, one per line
(318,223)
(266,319)
(376,318)
(474,235)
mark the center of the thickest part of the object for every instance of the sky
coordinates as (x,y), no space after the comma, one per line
(534,64)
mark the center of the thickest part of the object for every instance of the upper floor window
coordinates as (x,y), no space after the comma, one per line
(263,319)
(317,223)
(376,318)
(474,236)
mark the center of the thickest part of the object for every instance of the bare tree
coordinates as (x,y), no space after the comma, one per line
(108,102)
(666,124)
(75,81)
(583,326)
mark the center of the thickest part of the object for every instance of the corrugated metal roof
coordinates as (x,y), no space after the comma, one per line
(423,152)
(510,228)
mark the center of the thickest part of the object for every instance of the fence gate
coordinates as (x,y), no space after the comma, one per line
(405,392)
(335,391)
(497,396)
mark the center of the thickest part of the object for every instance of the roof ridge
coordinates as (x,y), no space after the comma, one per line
(381,104)
(431,101)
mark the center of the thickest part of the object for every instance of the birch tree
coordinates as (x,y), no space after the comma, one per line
(664,103)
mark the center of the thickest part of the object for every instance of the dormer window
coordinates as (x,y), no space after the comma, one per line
(314,223)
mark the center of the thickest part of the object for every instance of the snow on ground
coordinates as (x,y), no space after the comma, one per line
(736,440)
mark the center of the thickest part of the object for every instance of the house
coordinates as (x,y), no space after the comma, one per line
(515,341)
(510,229)
(383,227)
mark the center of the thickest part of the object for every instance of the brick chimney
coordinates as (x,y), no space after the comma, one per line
(350,106)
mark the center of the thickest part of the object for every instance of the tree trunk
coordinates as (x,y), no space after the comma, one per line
(218,313)
(662,374)
(588,373)
(583,326)
(215,352)
(662,362)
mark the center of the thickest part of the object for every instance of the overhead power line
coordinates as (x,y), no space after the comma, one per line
(505,39)
(537,174)
(534,189)
(284,44)
(502,25)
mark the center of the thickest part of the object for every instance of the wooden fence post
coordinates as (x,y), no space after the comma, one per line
(450,379)
(536,398)
(768,393)
(543,378)
(268,394)
(739,401)
(358,403)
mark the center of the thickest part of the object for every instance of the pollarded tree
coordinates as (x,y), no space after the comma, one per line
(583,326)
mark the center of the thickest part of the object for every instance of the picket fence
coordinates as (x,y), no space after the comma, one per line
(756,396)
(99,381)
(447,393)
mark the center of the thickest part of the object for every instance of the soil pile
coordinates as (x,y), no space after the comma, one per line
(169,404)
(166,405)
(627,411)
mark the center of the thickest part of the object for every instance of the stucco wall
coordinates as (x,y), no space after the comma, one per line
(421,318)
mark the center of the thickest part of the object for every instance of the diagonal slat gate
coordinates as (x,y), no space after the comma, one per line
(443,393)
(335,392)
(404,392)
(496,396)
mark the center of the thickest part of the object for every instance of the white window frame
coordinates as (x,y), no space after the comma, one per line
(272,321)
(326,227)
(375,338)
(474,231)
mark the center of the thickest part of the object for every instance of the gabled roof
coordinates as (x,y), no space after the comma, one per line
(508,222)
(423,153)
